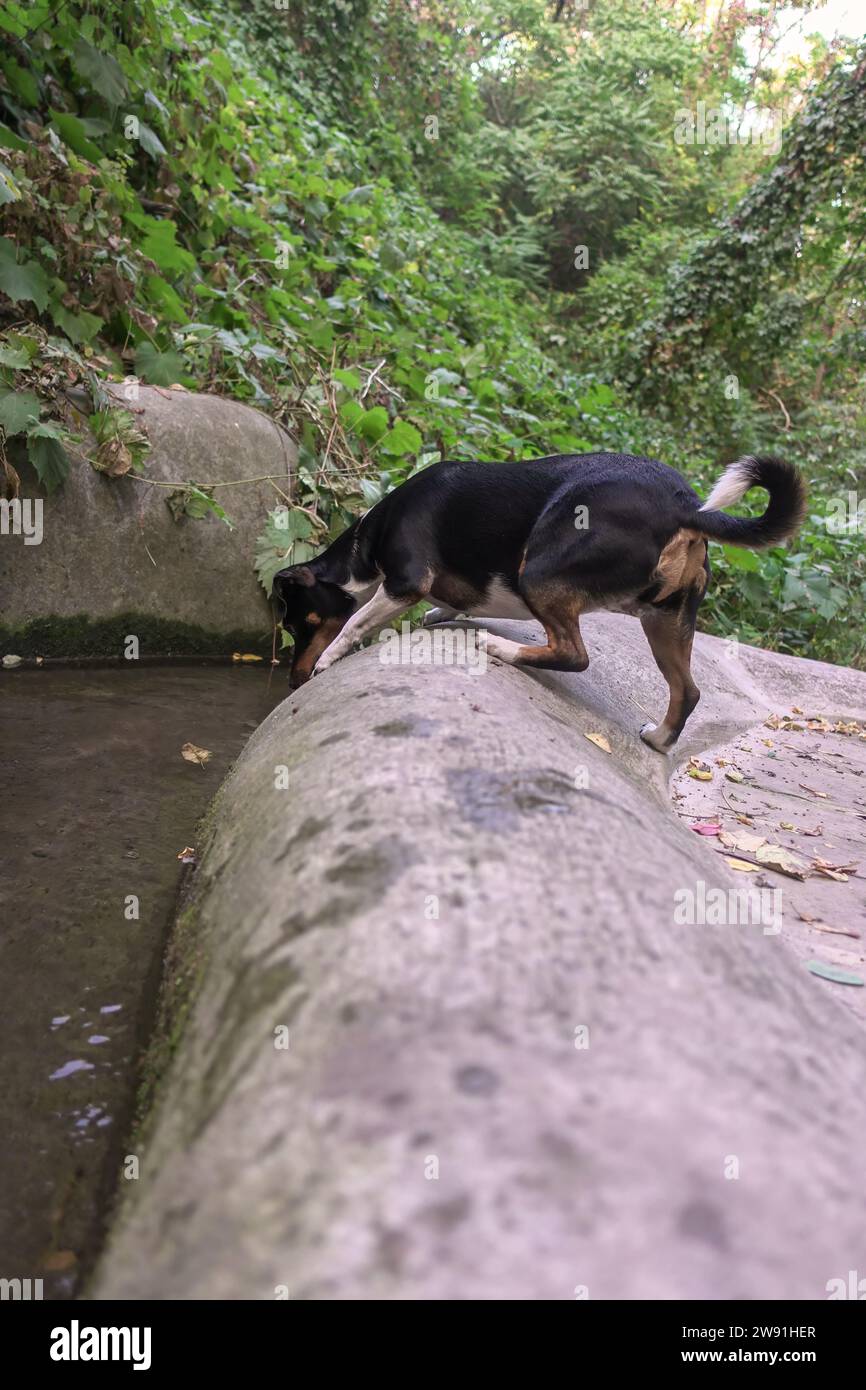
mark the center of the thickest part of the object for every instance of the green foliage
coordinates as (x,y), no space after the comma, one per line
(363,217)
(120,444)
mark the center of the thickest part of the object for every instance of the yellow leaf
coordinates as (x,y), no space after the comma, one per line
(742,865)
(600,741)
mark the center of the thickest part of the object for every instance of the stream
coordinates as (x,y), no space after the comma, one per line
(97,804)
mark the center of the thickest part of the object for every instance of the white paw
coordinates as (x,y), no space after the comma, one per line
(653,739)
(325,661)
(501,648)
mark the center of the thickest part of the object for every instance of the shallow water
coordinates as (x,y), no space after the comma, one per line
(96,805)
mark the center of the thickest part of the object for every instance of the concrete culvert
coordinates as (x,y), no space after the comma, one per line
(439,1035)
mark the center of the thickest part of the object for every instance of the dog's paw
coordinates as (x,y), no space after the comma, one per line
(323,664)
(655,738)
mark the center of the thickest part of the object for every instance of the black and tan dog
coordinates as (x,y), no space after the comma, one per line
(550,539)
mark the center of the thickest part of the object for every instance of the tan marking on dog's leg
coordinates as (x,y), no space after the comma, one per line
(671,645)
(558,610)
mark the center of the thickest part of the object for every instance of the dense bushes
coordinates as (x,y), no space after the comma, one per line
(363,216)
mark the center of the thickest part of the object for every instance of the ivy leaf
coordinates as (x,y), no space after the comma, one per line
(159,368)
(24,280)
(48,456)
(402,438)
(103,72)
(17,410)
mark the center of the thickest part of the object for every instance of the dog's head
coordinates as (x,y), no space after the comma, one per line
(313,612)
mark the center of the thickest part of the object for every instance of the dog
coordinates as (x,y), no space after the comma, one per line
(550,539)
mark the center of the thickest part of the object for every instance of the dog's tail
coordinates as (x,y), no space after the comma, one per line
(786,507)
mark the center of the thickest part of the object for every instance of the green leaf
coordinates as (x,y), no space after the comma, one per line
(81,327)
(347,378)
(48,457)
(74,134)
(362,194)
(741,559)
(8,187)
(159,368)
(197,502)
(13,357)
(22,280)
(103,72)
(159,246)
(9,140)
(17,410)
(402,438)
(373,423)
(284,541)
(150,141)
(21,81)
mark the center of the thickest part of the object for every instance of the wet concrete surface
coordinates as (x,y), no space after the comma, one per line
(96,805)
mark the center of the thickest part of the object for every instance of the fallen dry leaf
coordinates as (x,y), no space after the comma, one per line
(195,755)
(734,774)
(738,839)
(839,872)
(600,741)
(700,770)
(742,865)
(777,857)
(706,827)
(837,931)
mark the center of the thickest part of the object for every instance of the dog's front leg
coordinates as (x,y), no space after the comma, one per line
(372,615)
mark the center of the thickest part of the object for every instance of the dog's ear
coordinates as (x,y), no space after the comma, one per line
(295,574)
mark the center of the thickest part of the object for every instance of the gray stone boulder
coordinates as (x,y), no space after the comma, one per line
(437,1034)
(111,545)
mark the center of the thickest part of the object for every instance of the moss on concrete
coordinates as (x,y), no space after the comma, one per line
(80,635)
(179,987)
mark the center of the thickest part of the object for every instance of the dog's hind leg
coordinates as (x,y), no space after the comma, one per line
(670,633)
(558,607)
